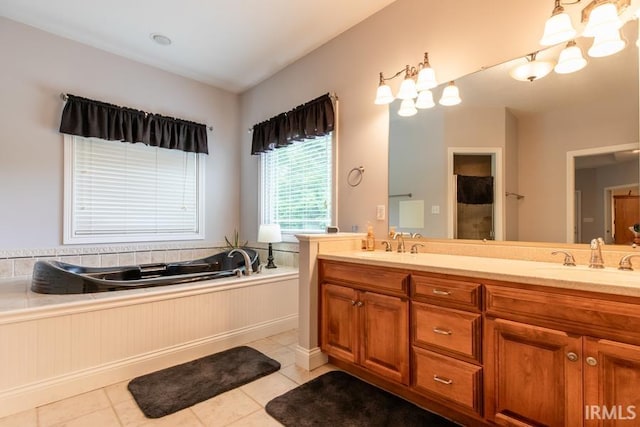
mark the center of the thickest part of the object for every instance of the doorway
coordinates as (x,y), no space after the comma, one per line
(626,213)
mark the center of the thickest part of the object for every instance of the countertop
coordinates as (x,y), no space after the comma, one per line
(607,280)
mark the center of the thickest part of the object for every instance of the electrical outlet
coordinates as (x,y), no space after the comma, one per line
(380,212)
(435,209)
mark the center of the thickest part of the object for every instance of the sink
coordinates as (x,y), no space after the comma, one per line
(583,273)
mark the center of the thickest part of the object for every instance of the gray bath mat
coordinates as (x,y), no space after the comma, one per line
(172,389)
(339,399)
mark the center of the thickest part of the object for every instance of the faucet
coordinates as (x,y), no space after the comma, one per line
(387,246)
(414,247)
(569,260)
(400,243)
(247,260)
(625,262)
(415,235)
(596,261)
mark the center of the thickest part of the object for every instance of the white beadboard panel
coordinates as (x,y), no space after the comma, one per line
(69,351)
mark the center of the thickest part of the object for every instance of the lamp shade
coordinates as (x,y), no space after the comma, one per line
(407,89)
(603,18)
(607,43)
(558,28)
(269,233)
(532,70)
(570,60)
(407,108)
(425,100)
(450,95)
(384,95)
(426,79)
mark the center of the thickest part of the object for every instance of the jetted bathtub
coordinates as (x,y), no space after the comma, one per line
(55,277)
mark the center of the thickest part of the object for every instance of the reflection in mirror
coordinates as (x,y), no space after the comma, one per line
(537,140)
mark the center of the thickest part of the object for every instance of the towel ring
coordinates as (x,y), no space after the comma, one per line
(354,179)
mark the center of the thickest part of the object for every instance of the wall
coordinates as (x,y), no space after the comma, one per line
(461,36)
(36,68)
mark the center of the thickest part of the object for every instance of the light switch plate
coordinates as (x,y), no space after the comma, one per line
(435,209)
(380,212)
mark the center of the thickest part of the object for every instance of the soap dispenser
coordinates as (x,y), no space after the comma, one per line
(371,241)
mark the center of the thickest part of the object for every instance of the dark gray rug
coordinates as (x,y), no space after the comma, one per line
(172,389)
(339,399)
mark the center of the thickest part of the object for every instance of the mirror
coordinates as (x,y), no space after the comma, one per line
(558,149)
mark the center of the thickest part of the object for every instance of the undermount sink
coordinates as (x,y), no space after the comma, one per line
(584,273)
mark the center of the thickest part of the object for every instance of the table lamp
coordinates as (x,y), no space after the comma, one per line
(270,233)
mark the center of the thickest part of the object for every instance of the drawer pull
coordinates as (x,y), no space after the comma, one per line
(445,381)
(439,292)
(359,304)
(441,331)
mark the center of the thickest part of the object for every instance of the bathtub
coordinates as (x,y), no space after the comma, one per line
(55,277)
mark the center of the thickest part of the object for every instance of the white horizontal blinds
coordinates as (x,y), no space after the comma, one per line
(123,189)
(297,185)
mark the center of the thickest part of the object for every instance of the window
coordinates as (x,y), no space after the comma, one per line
(123,192)
(297,186)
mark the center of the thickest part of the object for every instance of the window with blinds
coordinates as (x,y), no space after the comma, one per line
(123,192)
(297,186)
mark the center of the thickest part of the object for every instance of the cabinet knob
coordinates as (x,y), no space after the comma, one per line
(445,381)
(353,302)
(572,356)
(359,304)
(441,331)
(591,361)
(439,292)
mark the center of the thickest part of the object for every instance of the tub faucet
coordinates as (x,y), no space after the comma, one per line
(247,260)
(596,261)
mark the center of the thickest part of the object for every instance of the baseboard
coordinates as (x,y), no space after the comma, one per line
(53,389)
(310,359)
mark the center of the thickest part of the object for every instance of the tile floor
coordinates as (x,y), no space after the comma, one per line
(244,406)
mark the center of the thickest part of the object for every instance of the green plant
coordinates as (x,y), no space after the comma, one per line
(236,240)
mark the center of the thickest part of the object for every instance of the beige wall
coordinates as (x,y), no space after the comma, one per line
(461,36)
(36,68)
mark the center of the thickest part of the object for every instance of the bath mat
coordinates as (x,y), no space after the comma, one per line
(172,389)
(339,399)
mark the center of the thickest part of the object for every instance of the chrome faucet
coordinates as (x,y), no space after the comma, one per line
(596,261)
(414,247)
(387,246)
(401,243)
(625,262)
(415,235)
(569,260)
(247,260)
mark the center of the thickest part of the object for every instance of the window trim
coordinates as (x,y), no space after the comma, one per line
(291,237)
(68,237)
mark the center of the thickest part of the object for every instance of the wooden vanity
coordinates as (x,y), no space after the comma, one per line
(483,351)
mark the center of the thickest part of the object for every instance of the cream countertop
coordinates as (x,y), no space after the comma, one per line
(608,280)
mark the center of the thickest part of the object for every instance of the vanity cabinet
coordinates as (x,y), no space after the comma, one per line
(365,327)
(561,375)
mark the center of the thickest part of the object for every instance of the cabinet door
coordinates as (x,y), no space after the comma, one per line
(611,381)
(533,375)
(338,330)
(385,339)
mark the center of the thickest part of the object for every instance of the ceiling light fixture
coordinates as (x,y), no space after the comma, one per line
(531,70)
(558,28)
(161,39)
(571,59)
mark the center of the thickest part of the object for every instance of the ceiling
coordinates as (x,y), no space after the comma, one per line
(230,44)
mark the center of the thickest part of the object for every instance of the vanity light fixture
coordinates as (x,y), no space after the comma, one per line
(606,43)
(450,95)
(531,70)
(603,18)
(418,82)
(558,28)
(571,59)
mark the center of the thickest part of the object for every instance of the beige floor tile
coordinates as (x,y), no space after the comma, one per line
(286,338)
(284,355)
(73,407)
(184,418)
(101,418)
(21,419)
(301,375)
(266,388)
(129,413)
(118,392)
(225,408)
(257,419)
(265,345)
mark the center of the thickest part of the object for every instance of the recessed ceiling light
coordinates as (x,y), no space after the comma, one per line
(161,39)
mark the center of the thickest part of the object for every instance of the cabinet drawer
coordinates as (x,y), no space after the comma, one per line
(366,277)
(446,328)
(447,377)
(447,292)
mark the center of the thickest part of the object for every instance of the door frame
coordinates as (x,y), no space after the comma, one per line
(571,179)
(498,177)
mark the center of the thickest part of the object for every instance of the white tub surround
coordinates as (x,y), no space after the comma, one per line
(56,346)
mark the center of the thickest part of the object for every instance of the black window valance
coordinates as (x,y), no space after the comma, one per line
(314,118)
(89,118)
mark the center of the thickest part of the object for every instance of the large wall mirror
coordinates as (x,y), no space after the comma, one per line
(562,151)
